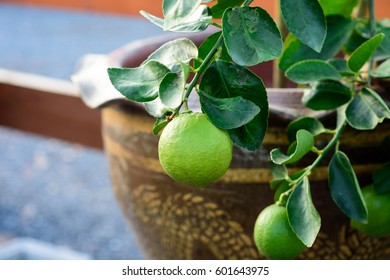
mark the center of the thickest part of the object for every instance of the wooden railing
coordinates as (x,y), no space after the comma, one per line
(47,106)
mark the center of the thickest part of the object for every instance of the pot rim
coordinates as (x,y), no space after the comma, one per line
(97,91)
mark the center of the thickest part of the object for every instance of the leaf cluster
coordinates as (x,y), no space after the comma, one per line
(326,51)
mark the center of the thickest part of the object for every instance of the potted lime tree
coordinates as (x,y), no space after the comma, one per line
(257,172)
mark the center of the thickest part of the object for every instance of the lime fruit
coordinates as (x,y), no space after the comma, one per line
(193,151)
(273,235)
(378,209)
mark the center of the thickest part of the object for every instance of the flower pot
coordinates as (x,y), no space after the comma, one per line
(175,221)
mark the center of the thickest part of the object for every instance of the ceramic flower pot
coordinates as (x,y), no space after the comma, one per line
(175,221)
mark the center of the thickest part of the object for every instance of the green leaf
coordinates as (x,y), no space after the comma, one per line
(302,214)
(278,171)
(251,35)
(312,125)
(326,95)
(225,80)
(156,109)
(171,89)
(139,84)
(206,47)
(173,53)
(382,179)
(308,71)
(228,113)
(282,187)
(383,51)
(363,53)
(173,85)
(305,19)
(340,7)
(341,65)
(159,125)
(280,177)
(301,147)
(383,70)
(366,110)
(345,189)
(222,5)
(339,29)
(182,16)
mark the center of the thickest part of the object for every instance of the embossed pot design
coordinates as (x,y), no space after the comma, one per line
(174,221)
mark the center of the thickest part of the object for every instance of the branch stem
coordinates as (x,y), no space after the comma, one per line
(202,67)
(333,142)
(247,3)
(371,8)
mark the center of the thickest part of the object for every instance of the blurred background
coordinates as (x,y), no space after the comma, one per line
(56,200)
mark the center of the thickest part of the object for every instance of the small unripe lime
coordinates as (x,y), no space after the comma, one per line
(378,209)
(273,235)
(193,151)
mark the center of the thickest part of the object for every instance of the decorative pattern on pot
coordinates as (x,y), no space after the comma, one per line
(174,221)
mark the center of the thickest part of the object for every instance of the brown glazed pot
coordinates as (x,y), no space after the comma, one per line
(175,221)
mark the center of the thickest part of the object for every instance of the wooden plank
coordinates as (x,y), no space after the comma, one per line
(48,107)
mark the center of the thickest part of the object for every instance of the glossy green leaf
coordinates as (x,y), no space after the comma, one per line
(279,174)
(185,15)
(305,19)
(282,187)
(251,35)
(302,214)
(308,71)
(159,125)
(312,125)
(383,51)
(225,80)
(383,70)
(363,53)
(171,89)
(139,84)
(206,47)
(156,109)
(382,179)
(341,65)
(304,143)
(354,41)
(340,7)
(366,110)
(153,19)
(228,113)
(222,5)
(284,184)
(182,16)
(173,53)
(345,189)
(339,29)
(326,95)
(278,171)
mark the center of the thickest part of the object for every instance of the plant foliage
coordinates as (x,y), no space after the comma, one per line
(333,55)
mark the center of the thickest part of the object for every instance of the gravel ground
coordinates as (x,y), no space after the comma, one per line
(60,193)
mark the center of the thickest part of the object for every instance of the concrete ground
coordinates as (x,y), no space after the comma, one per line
(56,192)
(60,193)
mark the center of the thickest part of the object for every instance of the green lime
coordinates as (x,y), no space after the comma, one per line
(378,208)
(193,151)
(273,235)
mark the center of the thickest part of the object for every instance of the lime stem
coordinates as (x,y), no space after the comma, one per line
(371,9)
(202,67)
(324,152)
(247,3)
